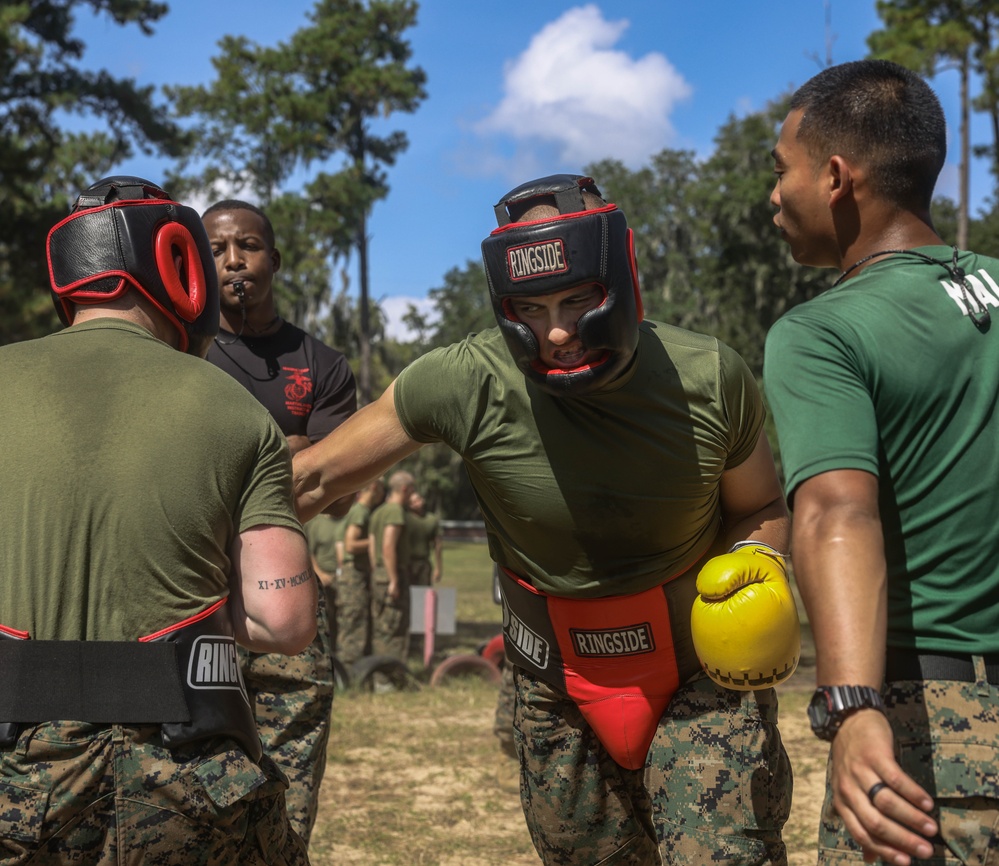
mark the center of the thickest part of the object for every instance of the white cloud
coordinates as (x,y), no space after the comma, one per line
(572,92)
(395,307)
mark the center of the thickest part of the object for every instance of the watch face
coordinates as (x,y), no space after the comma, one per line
(819,715)
(831,704)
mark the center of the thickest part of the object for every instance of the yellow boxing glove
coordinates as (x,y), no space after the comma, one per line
(744,622)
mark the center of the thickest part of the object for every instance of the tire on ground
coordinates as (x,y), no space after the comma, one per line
(494,651)
(341,675)
(394,670)
(465,665)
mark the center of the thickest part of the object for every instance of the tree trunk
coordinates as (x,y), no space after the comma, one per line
(362,264)
(964,169)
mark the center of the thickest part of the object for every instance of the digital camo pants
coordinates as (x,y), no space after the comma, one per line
(353,614)
(716,785)
(77,793)
(947,739)
(389,617)
(294,699)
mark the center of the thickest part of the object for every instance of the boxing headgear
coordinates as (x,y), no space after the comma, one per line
(125,233)
(539,257)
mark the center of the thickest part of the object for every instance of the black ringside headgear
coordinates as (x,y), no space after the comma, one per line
(124,233)
(576,248)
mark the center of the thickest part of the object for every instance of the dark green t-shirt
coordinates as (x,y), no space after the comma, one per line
(887,374)
(606,494)
(127,470)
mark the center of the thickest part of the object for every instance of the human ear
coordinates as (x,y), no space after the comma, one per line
(840,176)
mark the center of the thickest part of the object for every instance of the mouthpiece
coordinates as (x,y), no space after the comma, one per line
(239,289)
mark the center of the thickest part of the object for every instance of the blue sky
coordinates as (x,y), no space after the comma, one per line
(581,81)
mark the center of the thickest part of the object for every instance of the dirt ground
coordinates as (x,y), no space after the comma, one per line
(416,778)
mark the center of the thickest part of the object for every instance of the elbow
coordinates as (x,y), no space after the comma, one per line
(285,638)
(298,638)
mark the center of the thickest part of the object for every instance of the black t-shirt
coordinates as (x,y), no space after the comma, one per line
(307,386)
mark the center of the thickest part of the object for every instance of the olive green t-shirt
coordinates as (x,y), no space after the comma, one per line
(604,494)
(359,515)
(421,531)
(127,470)
(389,514)
(323,532)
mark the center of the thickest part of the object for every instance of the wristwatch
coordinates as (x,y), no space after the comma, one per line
(830,705)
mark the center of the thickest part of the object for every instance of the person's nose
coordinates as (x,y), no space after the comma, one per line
(232,258)
(775,196)
(562,327)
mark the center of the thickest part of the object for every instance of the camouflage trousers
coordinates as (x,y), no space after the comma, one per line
(294,699)
(389,617)
(503,719)
(77,793)
(716,785)
(353,613)
(947,739)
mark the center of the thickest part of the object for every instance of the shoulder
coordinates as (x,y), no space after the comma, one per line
(685,347)
(457,371)
(480,351)
(821,317)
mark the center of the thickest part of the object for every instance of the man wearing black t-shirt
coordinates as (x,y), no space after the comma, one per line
(309,389)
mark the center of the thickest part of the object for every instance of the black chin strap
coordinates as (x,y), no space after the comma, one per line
(977,311)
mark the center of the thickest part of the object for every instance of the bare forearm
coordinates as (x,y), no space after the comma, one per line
(770,525)
(359,450)
(354,542)
(339,507)
(325,578)
(840,571)
(391,562)
(752,503)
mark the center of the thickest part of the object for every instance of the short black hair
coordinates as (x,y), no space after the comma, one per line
(883,115)
(235,204)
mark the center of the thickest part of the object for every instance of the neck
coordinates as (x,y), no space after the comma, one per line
(257,322)
(131,309)
(899,231)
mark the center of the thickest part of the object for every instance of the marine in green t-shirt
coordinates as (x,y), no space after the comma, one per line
(147,527)
(608,458)
(423,529)
(390,570)
(353,585)
(885,392)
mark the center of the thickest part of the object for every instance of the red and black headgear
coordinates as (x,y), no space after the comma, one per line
(125,233)
(578,247)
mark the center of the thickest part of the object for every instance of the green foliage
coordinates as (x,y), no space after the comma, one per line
(461,307)
(709,257)
(926,36)
(749,277)
(42,166)
(659,201)
(929,36)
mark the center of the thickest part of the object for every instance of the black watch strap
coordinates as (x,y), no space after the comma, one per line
(832,704)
